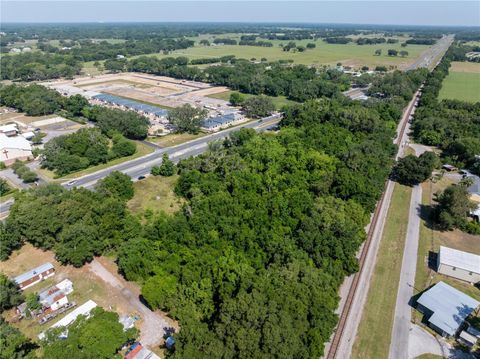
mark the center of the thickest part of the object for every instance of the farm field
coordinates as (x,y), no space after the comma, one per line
(324,54)
(431,240)
(155,193)
(462,82)
(373,337)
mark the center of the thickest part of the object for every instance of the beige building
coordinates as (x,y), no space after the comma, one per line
(14,148)
(458,264)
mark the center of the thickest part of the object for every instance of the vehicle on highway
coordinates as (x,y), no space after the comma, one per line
(141,178)
(71,183)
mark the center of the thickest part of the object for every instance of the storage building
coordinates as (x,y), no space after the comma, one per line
(459,264)
(446,308)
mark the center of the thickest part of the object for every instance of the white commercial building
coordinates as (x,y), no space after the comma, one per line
(14,148)
(459,264)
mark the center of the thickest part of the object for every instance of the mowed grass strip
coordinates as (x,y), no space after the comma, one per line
(462,83)
(373,337)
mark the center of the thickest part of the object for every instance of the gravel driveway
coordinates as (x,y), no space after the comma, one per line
(154,325)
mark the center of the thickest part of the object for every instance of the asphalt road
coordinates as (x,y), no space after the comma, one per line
(142,166)
(434,53)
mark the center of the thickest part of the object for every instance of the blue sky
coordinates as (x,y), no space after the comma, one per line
(465,13)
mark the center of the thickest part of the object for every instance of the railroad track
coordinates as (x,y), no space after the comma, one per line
(332,353)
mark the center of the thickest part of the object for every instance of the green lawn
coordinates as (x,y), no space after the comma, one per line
(174,139)
(462,86)
(373,338)
(328,54)
(429,356)
(278,101)
(155,193)
(142,150)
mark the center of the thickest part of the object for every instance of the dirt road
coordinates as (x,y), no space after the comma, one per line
(153,325)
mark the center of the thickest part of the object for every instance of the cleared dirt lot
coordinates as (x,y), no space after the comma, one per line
(98,281)
(157,90)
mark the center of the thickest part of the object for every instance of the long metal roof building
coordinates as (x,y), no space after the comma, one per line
(131,104)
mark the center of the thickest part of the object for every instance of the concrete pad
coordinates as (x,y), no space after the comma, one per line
(422,342)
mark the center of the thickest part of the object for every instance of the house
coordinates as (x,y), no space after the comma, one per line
(119,57)
(15,50)
(27,49)
(446,308)
(9,130)
(14,148)
(137,351)
(459,264)
(84,309)
(35,275)
(55,297)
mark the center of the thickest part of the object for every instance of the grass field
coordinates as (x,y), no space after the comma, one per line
(429,356)
(373,338)
(142,150)
(174,139)
(278,101)
(155,193)
(462,83)
(324,54)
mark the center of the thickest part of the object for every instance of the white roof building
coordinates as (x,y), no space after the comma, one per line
(459,264)
(14,148)
(9,130)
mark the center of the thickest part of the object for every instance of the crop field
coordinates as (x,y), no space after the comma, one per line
(324,54)
(462,82)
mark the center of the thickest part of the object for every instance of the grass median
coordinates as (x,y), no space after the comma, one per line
(374,332)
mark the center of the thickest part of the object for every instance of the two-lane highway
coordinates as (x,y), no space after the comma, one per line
(142,166)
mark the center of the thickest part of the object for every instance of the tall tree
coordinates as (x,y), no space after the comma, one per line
(187,118)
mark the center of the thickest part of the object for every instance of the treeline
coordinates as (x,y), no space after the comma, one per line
(85,148)
(37,100)
(212,60)
(337,40)
(255,43)
(76,224)
(420,41)
(35,66)
(91,50)
(451,125)
(298,83)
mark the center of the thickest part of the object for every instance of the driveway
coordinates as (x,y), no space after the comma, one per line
(154,325)
(13,178)
(422,342)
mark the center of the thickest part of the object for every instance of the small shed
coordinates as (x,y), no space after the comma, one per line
(449,168)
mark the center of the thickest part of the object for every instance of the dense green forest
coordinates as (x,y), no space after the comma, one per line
(451,125)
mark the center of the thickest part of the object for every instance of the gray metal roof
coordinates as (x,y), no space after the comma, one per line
(450,307)
(460,259)
(218,120)
(32,273)
(474,188)
(131,104)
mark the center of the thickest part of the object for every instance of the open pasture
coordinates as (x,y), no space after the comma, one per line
(323,54)
(462,82)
